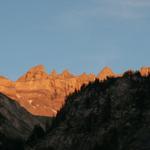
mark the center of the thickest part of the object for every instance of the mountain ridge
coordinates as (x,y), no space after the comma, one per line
(44,94)
(104,115)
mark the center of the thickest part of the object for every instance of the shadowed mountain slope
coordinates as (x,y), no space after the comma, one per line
(109,115)
(16,124)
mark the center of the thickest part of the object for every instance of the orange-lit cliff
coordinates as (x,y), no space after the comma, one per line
(43,94)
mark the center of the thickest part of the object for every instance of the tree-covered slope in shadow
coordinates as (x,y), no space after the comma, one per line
(16,124)
(109,115)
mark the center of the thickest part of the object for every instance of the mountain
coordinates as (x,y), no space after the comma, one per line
(145,71)
(17,125)
(44,94)
(113,114)
(106,72)
(7,87)
(35,73)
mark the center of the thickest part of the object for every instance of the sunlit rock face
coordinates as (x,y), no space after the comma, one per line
(8,87)
(44,94)
(106,72)
(145,71)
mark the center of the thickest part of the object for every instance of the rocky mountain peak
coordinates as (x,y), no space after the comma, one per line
(106,72)
(145,71)
(92,75)
(35,73)
(83,75)
(53,73)
(38,68)
(66,74)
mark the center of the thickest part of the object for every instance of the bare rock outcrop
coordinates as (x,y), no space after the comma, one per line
(8,87)
(106,72)
(35,73)
(145,71)
(44,94)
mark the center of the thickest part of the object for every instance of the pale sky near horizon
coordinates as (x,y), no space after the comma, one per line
(79,35)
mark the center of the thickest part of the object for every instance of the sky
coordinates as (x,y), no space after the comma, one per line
(79,35)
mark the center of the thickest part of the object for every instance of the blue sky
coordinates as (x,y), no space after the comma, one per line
(79,35)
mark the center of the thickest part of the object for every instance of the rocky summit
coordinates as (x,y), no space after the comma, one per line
(44,94)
